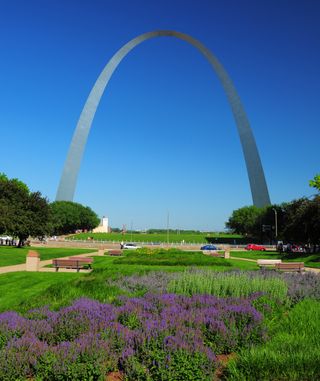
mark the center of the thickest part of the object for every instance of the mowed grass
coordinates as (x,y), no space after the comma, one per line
(292,353)
(233,285)
(10,255)
(173,258)
(310,260)
(255,255)
(154,237)
(19,287)
(23,291)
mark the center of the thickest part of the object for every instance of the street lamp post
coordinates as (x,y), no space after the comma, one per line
(168,228)
(275,222)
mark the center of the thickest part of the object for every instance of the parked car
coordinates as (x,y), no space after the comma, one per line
(5,238)
(253,246)
(131,246)
(209,247)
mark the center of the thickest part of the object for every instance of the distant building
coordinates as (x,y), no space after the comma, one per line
(103,226)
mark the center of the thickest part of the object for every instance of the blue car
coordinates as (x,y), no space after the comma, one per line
(209,247)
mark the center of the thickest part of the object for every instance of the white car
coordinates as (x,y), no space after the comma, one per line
(131,246)
(6,237)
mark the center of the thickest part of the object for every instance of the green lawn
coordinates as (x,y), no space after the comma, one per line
(292,353)
(19,287)
(255,254)
(292,349)
(10,255)
(23,291)
(310,260)
(154,237)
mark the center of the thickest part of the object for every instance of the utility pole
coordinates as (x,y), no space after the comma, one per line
(275,222)
(168,228)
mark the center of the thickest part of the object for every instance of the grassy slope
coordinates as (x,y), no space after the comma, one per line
(22,291)
(292,354)
(155,237)
(15,256)
(311,260)
(16,288)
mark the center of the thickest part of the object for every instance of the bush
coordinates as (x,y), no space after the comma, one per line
(227,284)
(172,258)
(292,354)
(156,337)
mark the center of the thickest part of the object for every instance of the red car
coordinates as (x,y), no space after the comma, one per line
(253,246)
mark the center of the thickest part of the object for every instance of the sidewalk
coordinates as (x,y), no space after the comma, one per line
(311,269)
(42,268)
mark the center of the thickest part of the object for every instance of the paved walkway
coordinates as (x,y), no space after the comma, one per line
(22,267)
(311,269)
(42,268)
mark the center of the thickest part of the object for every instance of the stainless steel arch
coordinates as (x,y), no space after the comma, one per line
(259,190)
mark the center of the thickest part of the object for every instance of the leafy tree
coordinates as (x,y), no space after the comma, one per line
(68,216)
(246,221)
(302,221)
(315,182)
(22,213)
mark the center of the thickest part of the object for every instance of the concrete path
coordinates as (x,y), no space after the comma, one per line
(42,268)
(22,267)
(311,269)
(10,269)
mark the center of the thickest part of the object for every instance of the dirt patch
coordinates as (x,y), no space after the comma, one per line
(222,362)
(115,376)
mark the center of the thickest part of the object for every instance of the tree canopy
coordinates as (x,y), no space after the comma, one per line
(302,221)
(297,221)
(22,213)
(315,182)
(245,221)
(68,216)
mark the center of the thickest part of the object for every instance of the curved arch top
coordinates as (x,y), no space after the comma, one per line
(259,190)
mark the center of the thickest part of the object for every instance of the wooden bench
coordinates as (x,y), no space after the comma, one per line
(86,260)
(76,264)
(115,252)
(290,266)
(268,262)
(217,254)
(214,253)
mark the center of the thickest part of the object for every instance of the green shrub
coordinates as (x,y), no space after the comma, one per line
(172,258)
(154,363)
(292,354)
(227,285)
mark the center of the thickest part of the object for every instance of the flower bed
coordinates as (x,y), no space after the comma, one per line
(156,337)
(293,286)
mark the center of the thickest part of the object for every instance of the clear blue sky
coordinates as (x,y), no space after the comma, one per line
(163,139)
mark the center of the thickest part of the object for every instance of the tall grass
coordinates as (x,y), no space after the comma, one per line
(153,237)
(172,258)
(11,255)
(292,354)
(227,285)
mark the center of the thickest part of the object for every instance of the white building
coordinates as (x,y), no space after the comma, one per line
(103,226)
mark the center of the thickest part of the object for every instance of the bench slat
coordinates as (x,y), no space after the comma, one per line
(268,262)
(68,264)
(290,266)
(115,252)
(81,259)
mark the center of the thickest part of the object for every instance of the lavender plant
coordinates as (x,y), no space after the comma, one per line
(234,284)
(155,337)
(154,282)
